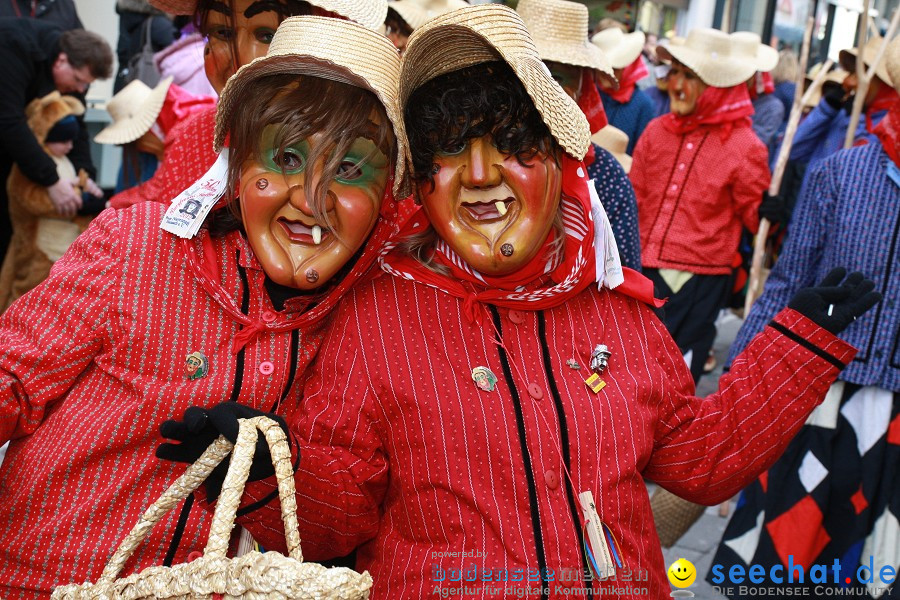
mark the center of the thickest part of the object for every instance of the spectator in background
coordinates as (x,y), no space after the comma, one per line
(35,59)
(785,77)
(822,132)
(768,112)
(61,13)
(142,118)
(627,107)
(559,30)
(41,235)
(699,174)
(182,60)
(137,20)
(608,23)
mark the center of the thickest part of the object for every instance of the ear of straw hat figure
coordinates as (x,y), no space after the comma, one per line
(429,411)
(207,329)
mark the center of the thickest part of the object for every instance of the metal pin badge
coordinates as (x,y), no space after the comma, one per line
(196,365)
(573,364)
(484,378)
(600,358)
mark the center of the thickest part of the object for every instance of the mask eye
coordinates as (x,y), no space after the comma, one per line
(221,33)
(453,149)
(349,170)
(264,35)
(289,161)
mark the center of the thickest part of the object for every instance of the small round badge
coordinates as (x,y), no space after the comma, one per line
(196,365)
(484,378)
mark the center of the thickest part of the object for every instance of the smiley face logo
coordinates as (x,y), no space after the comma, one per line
(682,573)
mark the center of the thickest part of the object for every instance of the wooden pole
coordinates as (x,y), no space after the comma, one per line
(754,287)
(862,86)
(726,16)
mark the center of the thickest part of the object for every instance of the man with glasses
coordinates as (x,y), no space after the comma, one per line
(35,59)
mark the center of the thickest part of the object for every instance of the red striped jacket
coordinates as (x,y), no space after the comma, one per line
(91,362)
(694,192)
(435,480)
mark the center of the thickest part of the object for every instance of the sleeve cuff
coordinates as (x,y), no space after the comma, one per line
(813,338)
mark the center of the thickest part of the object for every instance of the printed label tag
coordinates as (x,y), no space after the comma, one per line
(189,208)
(606,251)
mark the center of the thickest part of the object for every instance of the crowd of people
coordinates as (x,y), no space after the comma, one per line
(470,259)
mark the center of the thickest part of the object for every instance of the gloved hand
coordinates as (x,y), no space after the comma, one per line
(773,208)
(201,427)
(834,95)
(836,302)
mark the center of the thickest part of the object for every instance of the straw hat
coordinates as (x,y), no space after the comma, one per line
(331,49)
(370,13)
(749,46)
(559,29)
(892,61)
(709,54)
(417,12)
(836,76)
(621,48)
(615,141)
(847,59)
(485,33)
(134,111)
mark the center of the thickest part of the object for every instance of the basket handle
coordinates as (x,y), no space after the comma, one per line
(229,499)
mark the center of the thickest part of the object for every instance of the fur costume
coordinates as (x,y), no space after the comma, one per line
(40,235)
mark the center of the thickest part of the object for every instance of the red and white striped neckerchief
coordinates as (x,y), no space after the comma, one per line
(539,285)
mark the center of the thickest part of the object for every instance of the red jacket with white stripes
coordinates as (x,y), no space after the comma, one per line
(93,360)
(435,479)
(694,192)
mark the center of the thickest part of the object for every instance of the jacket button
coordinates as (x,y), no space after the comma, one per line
(194,556)
(268,316)
(517,316)
(551,479)
(534,390)
(266,367)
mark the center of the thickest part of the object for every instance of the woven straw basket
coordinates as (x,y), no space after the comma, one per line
(253,576)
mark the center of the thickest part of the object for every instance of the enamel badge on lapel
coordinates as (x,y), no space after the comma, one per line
(573,364)
(196,365)
(484,378)
(599,363)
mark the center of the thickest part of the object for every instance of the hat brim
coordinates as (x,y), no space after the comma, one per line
(413,15)
(585,55)
(625,52)
(847,60)
(766,58)
(716,72)
(486,33)
(128,130)
(368,13)
(357,67)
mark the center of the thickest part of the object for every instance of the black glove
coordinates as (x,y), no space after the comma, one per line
(201,427)
(91,205)
(834,95)
(844,301)
(773,208)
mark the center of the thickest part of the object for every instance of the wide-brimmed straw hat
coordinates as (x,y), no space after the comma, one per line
(417,12)
(134,110)
(332,49)
(621,48)
(892,62)
(749,46)
(486,33)
(836,76)
(847,59)
(559,29)
(370,13)
(614,141)
(709,53)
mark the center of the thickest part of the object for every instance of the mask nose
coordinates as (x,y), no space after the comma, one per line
(481,170)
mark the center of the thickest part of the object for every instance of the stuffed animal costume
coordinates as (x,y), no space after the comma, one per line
(40,234)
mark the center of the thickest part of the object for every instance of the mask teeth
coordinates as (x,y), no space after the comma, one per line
(317,235)
(500,205)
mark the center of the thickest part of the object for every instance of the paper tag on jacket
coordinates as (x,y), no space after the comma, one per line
(606,251)
(601,558)
(189,208)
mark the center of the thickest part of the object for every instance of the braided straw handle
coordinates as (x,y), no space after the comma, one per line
(229,499)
